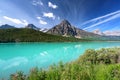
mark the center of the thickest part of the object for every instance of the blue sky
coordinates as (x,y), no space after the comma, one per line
(84,14)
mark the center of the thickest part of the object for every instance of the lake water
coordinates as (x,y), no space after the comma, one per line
(24,56)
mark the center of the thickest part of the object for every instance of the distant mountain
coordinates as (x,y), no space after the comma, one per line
(66,29)
(107,33)
(31,33)
(112,33)
(6,26)
(97,31)
(32,26)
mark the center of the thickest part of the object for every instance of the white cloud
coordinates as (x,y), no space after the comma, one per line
(43,22)
(39,17)
(37,2)
(49,15)
(25,22)
(111,17)
(16,21)
(101,17)
(52,5)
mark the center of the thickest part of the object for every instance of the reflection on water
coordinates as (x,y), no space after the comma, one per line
(23,56)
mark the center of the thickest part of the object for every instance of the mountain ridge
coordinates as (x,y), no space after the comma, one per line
(31,35)
(67,30)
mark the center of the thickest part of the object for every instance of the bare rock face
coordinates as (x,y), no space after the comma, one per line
(66,29)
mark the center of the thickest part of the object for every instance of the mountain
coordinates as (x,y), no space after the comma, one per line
(97,31)
(31,35)
(112,33)
(31,26)
(107,33)
(67,30)
(6,26)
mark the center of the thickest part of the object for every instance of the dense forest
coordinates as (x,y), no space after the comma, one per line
(30,35)
(99,64)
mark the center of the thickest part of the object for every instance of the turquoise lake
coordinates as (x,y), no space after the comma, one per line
(24,56)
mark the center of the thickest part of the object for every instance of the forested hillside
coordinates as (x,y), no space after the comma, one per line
(30,35)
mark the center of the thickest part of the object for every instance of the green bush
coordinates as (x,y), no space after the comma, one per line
(92,65)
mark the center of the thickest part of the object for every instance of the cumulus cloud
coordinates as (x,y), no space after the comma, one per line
(52,5)
(102,19)
(49,15)
(25,22)
(16,21)
(37,2)
(43,22)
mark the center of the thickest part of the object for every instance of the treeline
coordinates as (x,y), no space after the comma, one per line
(30,35)
(92,65)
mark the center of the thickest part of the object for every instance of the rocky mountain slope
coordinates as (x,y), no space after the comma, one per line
(66,29)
